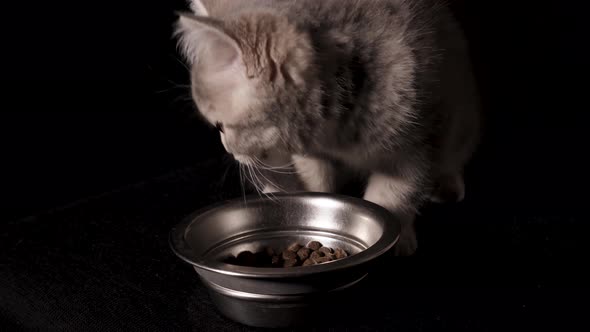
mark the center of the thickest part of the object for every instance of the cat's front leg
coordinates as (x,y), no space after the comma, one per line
(396,194)
(317,175)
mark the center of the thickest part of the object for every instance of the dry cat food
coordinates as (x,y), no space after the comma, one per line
(295,255)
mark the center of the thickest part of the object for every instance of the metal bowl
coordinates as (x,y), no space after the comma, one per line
(282,297)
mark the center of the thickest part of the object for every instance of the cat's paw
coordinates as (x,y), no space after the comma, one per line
(449,189)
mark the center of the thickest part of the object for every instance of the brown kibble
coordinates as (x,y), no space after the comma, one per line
(304,256)
(303,253)
(315,255)
(340,253)
(290,262)
(294,247)
(322,260)
(275,260)
(308,262)
(314,245)
(327,252)
(287,254)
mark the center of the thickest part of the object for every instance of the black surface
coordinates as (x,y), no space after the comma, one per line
(104,263)
(91,104)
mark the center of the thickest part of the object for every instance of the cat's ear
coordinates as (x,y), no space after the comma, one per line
(204,42)
(198,8)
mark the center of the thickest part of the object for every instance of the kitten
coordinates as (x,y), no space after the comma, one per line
(382,87)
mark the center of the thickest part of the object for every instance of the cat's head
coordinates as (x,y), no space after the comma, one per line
(249,74)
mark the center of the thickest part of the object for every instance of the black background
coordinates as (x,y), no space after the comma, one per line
(93,98)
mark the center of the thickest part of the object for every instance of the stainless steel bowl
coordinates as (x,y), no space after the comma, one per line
(282,297)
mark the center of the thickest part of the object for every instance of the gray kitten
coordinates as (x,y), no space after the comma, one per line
(382,87)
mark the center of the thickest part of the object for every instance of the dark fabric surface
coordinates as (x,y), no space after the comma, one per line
(104,264)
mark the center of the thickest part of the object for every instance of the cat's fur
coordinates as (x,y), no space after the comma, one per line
(383,87)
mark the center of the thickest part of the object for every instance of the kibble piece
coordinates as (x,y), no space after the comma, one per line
(340,253)
(322,260)
(294,247)
(287,254)
(303,256)
(275,260)
(308,262)
(290,262)
(314,245)
(315,255)
(303,253)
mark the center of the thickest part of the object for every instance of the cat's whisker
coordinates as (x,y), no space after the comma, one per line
(285,166)
(269,195)
(178,85)
(269,167)
(179,61)
(278,172)
(254,181)
(228,167)
(248,176)
(277,169)
(271,182)
(260,185)
(242,184)
(184,102)
(170,89)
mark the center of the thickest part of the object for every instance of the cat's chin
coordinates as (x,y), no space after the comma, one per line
(244,160)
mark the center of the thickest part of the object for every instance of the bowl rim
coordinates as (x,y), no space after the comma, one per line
(391,227)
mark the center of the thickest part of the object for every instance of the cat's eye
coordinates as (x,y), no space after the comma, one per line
(219,126)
